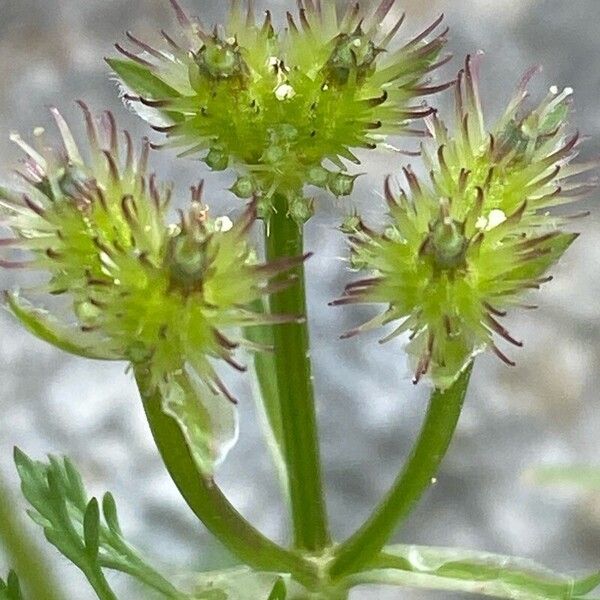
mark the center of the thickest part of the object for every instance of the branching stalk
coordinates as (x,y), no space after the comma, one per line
(422,466)
(100,586)
(210,505)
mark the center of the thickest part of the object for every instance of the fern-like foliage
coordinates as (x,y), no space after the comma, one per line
(83,529)
(11,588)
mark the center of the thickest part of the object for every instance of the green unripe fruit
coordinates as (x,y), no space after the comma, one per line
(187,261)
(217,160)
(220,60)
(243,187)
(351,224)
(273,154)
(301,210)
(138,353)
(264,210)
(341,184)
(512,140)
(87,313)
(353,52)
(72,181)
(285,132)
(448,243)
(318,176)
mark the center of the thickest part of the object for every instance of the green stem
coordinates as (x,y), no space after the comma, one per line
(100,585)
(210,505)
(294,382)
(23,553)
(135,567)
(429,451)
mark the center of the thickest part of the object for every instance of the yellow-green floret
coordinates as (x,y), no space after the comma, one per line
(141,290)
(462,248)
(285,109)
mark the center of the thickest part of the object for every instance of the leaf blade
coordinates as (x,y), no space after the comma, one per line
(73,525)
(91,528)
(141,80)
(45,327)
(468,571)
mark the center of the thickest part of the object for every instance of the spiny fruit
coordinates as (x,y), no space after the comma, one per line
(283,109)
(144,291)
(463,248)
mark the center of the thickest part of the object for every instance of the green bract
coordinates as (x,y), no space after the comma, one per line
(156,295)
(461,249)
(277,107)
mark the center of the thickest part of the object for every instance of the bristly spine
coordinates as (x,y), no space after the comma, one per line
(153,294)
(463,248)
(276,106)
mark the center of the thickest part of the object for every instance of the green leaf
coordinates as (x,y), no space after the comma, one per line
(22,551)
(141,80)
(67,338)
(11,590)
(66,546)
(467,571)
(91,528)
(279,591)
(109,509)
(208,422)
(74,483)
(73,524)
(581,477)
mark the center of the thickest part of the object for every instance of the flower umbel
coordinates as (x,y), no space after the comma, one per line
(463,248)
(142,291)
(277,106)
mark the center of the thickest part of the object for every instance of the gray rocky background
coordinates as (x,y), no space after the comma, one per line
(546,411)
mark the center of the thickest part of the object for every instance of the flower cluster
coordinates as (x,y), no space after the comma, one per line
(142,291)
(462,248)
(277,107)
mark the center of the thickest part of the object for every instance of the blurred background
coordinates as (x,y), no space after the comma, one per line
(544,412)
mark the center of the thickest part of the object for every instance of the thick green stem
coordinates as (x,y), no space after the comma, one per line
(294,382)
(210,505)
(420,470)
(23,553)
